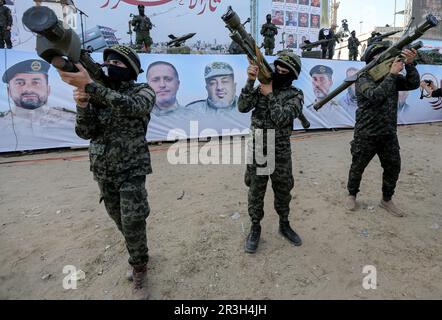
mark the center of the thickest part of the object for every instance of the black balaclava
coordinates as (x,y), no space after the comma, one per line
(115,73)
(141,10)
(269,18)
(282,80)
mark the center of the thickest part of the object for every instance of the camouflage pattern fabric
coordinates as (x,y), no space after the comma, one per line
(353,44)
(142,23)
(275,112)
(363,149)
(126,203)
(116,122)
(143,37)
(269,31)
(376,127)
(377,101)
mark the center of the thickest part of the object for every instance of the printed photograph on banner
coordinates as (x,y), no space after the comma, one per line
(322,81)
(316,10)
(164,79)
(278,17)
(304,3)
(315,3)
(348,99)
(315,20)
(303,20)
(221,90)
(291,42)
(29,90)
(302,37)
(291,19)
(291,1)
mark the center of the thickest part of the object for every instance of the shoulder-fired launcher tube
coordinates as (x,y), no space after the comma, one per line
(391,52)
(248,44)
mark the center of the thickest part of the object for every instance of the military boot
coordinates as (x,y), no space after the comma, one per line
(287,232)
(350,203)
(391,208)
(139,276)
(253,238)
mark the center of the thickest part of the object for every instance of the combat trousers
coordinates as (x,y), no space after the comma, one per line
(5,36)
(282,184)
(363,149)
(269,45)
(143,38)
(328,52)
(126,203)
(353,55)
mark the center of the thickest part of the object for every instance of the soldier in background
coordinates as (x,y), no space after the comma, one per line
(328,48)
(235,48)
(373,37)
(269,31)
(5,25)
(142,27)
(353,45)
(274,107)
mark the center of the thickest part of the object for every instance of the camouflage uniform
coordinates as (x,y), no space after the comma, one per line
(276,111)
(5,21)
(376,126)
(269,31)
(353,44)
(116,122)
(143,25)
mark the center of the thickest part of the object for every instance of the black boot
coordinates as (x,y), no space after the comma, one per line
(253,238)
(287,232)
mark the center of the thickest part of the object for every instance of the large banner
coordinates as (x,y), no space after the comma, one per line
(176,17)
(196,96)
(421,8)
(298,20)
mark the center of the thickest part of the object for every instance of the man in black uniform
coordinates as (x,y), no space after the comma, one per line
(328,48)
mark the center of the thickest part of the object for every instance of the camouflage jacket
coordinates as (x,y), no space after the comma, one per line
(269,30)
(275,111)
(116,122)
(141,24)
(5,16)
(353,43)
(378,101)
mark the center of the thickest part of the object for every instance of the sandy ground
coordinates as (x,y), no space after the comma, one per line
(50,218)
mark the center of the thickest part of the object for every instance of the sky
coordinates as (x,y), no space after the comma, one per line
(177,18)
(372,13)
